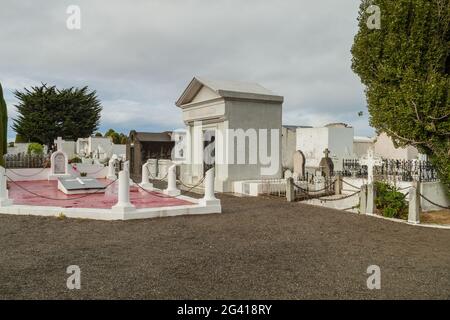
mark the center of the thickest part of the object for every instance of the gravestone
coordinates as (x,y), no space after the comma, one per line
(326,164)
(298,160)
(58,162)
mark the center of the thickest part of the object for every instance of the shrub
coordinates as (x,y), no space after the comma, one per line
(75,160)
(83,174)
(390,202)
(35,148)
(11,145)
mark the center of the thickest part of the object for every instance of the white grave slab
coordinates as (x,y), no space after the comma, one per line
(80,185)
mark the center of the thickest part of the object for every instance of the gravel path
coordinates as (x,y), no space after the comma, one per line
(257,249)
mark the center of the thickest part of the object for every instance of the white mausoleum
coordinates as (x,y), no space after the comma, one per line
(231,115)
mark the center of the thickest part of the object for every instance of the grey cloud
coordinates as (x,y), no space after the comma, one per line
(139,55)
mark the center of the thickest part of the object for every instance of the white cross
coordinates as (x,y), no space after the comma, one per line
(59,143)
(370,162)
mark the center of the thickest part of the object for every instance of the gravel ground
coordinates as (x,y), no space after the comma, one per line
(259,248)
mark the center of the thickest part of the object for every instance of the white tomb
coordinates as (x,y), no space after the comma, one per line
(227,115)
(336,137)
(80,185)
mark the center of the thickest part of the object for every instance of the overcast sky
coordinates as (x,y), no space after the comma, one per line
(139,55)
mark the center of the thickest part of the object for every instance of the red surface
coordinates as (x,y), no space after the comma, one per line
(49,189)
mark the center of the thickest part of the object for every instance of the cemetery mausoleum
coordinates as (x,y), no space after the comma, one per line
(230,114)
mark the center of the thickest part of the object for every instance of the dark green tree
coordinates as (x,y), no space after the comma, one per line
(46,112)
(405,66)
(3,127)
(117,138)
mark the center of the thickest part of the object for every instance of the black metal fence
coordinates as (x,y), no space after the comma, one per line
(392,169)
(26,161)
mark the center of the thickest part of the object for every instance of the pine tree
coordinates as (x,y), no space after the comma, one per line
(45,112)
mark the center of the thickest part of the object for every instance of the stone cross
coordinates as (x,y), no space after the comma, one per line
(370,162)
(326,152)
(59,144)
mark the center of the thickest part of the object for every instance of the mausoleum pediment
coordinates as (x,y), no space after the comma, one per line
(201,90)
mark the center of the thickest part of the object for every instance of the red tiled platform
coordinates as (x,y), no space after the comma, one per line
(49,189)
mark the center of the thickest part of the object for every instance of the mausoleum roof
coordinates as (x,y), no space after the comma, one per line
(228,89)
(151,136)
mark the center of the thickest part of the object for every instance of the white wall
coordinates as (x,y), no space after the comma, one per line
(313,141)
(118,149)
(384,147)
(436,192)
(69,148)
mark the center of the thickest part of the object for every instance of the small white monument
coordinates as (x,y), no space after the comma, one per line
(58,162)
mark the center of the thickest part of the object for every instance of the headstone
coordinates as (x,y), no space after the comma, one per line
(298,159)
(58,164)
(326,164)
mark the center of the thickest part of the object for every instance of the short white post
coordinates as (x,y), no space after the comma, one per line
(126,167)
(290,190)
(172,189)
(209,199)
(371,194)
(363,199)
(111,169)
(145,182)
(4,200)
(414,204)
(123,197)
